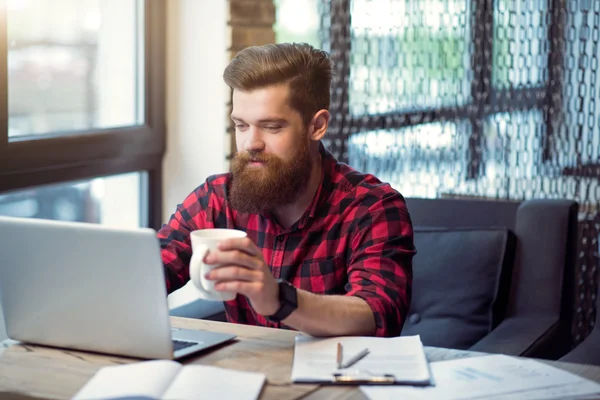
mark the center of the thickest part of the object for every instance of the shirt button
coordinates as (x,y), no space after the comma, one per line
(280,238)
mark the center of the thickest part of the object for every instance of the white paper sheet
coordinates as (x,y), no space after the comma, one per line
(403,357)
(581,390)
(143,379)
(491,377)
(164,379)
(206,382)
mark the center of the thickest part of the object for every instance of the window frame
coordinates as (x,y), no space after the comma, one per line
(94,153)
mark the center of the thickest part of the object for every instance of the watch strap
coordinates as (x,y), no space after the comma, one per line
(288,299)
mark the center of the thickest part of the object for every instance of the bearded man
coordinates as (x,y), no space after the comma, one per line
(328,249)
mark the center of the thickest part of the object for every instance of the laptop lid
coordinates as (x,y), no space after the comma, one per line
(84,286)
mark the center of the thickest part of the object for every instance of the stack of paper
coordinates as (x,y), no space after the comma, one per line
(496,377)
(164,379)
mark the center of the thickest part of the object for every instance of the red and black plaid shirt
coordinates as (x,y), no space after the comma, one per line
(355,239)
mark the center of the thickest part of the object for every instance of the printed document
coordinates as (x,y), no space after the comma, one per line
(492,377)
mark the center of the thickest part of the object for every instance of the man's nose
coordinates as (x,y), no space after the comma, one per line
(254,142)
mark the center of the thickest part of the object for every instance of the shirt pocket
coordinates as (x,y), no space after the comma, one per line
(325,276)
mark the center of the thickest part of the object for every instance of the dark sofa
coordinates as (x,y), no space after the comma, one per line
(494,276)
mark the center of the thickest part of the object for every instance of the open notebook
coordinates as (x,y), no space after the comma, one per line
(166,379)
(396,360)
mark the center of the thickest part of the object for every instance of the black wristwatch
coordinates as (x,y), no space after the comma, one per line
(288,300)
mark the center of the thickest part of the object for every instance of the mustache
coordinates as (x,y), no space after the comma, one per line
(248,157)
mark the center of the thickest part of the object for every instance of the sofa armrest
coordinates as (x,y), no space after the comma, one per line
(586,352)
(537,336)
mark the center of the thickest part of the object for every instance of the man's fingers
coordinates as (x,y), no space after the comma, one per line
(243,287)
(232,273)
(233,257)
(242,244)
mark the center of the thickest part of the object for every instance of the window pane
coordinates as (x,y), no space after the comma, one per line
(578,139)
(512,154)
(520,43)
(73,65)
(432,160)
(419,161)
(116,201)
(409,55)
(297,21)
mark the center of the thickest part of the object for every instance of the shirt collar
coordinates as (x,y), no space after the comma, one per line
(328,163)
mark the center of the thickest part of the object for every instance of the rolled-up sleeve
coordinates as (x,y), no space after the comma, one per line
(174,236)
(380,267)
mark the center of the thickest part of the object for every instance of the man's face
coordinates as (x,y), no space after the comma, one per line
(273,164)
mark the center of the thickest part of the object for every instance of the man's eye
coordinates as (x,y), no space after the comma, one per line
(240,126)
(273,127)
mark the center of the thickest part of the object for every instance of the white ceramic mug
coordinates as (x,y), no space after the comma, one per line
(204,241)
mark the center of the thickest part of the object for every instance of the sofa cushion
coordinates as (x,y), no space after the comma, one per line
(461,280)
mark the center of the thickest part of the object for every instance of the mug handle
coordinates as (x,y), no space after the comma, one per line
(196,263)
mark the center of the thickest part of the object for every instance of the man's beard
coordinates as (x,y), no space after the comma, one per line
(256,189)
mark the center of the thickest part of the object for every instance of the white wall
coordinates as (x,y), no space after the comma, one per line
(197,143)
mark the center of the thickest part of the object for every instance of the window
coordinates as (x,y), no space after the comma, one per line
(114,201)
(408,55)
(428,152)
(433,80)
(74,67)
(520,43)
(297,21)
(82,110)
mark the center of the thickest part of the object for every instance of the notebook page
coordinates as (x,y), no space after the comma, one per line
(403,357)
(147,379)
(206,382)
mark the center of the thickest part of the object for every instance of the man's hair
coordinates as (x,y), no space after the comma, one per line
(307,70)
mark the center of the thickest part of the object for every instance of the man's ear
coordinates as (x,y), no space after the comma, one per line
(319,125)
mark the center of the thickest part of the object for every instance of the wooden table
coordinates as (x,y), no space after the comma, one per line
(48,373)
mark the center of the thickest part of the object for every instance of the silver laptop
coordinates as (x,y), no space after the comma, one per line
(90,287)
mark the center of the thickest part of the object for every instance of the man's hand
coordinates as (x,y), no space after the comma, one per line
(243,270)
